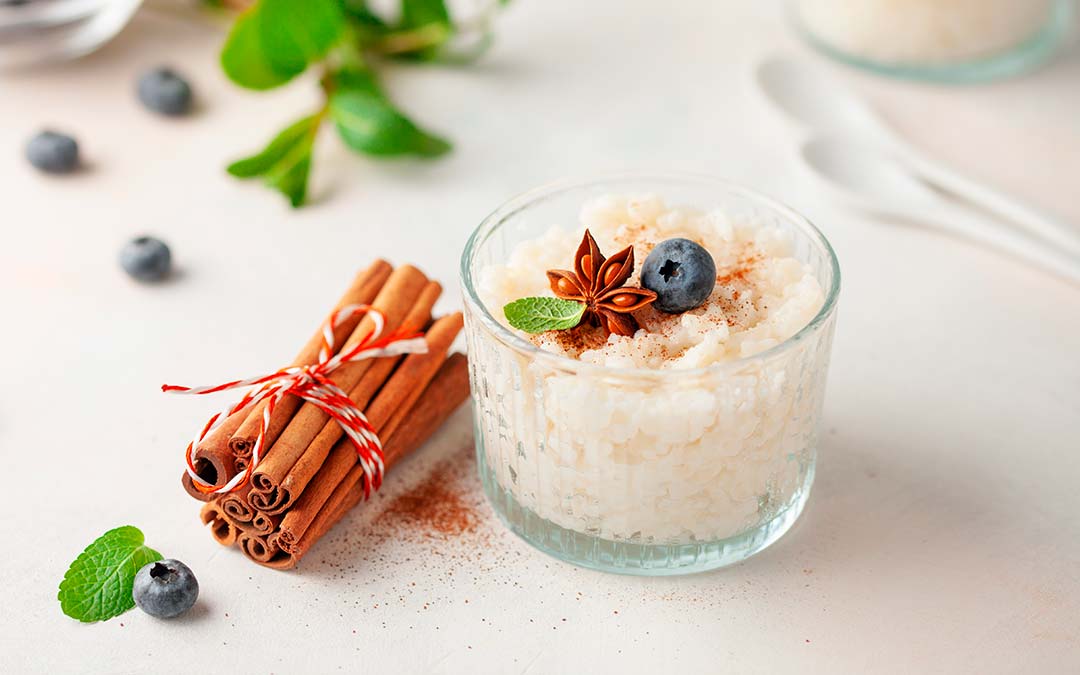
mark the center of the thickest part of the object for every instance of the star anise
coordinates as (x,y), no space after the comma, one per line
(598,283)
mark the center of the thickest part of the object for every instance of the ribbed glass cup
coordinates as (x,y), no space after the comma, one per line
(645,471)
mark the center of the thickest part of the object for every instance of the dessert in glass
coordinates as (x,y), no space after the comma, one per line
(939,40)
(648,357)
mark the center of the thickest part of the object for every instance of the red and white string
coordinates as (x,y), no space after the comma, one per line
(311,383)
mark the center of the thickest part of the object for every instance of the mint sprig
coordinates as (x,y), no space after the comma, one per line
(537,315)
(367,122)
(286,162)
(274,41)
(98,584)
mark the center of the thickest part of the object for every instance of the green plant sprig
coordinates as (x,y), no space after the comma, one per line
(274,41)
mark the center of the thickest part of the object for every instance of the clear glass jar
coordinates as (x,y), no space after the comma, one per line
(937,40)
(645,471)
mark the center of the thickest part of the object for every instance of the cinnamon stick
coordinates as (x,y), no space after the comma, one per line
(213,460)
(256,547)
(448,390)
(453,390)
(221,530)
(236,507)
(291,487)
(264,523)
(396,299)
(363,290)
(347,494)
(411,378)
(298,518)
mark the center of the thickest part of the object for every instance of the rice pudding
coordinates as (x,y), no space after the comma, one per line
(924,31)
(762,296)
(696,430)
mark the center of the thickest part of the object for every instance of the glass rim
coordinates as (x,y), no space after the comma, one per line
(521,202)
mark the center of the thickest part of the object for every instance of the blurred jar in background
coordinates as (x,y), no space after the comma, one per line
(943,40)
(38,31)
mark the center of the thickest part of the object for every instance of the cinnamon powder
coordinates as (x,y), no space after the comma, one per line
(433,506)
(740,270)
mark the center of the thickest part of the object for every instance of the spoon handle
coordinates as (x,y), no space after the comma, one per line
(991,199)
(1019,245)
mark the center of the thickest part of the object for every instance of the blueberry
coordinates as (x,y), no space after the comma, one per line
(146,259)
(53,152)
(681,273)
(163,91)
(165,588)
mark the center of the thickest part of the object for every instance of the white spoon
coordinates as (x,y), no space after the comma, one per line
(864,177)
(805,93)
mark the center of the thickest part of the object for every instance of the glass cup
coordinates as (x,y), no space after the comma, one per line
(33,32)
(645,471)
(957,41)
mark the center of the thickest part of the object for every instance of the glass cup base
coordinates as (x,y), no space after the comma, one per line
(624,557)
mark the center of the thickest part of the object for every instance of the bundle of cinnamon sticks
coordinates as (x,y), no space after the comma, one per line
(309,476)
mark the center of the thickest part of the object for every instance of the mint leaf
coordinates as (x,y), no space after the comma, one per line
(275,40)
(421,33)
(536,315)
(286,162)
(243,56)
(358,10)
(416,13)
(278,148)
(367,122)
(98,584)
(354,79)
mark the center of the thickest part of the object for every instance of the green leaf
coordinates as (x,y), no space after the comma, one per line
(243,58)
(358,10)
(415,13)
(275,40)
(261,163)
(354,79)
(286,162)
(425,23)
(536,315)
(369,123)
(98,584)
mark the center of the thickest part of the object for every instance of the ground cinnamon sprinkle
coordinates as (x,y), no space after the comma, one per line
(740,270)
(578,339)
(432,507)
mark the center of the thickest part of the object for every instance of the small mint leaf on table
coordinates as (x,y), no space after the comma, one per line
(98,584)
(285,163)
(368,123)
(273,41)
(536,315)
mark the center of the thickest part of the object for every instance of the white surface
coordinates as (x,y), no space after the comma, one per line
(942,534)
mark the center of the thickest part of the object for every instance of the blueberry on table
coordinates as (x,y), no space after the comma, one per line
(53,152)
(164,91)
(681,273)
(165,588)
(146,259)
